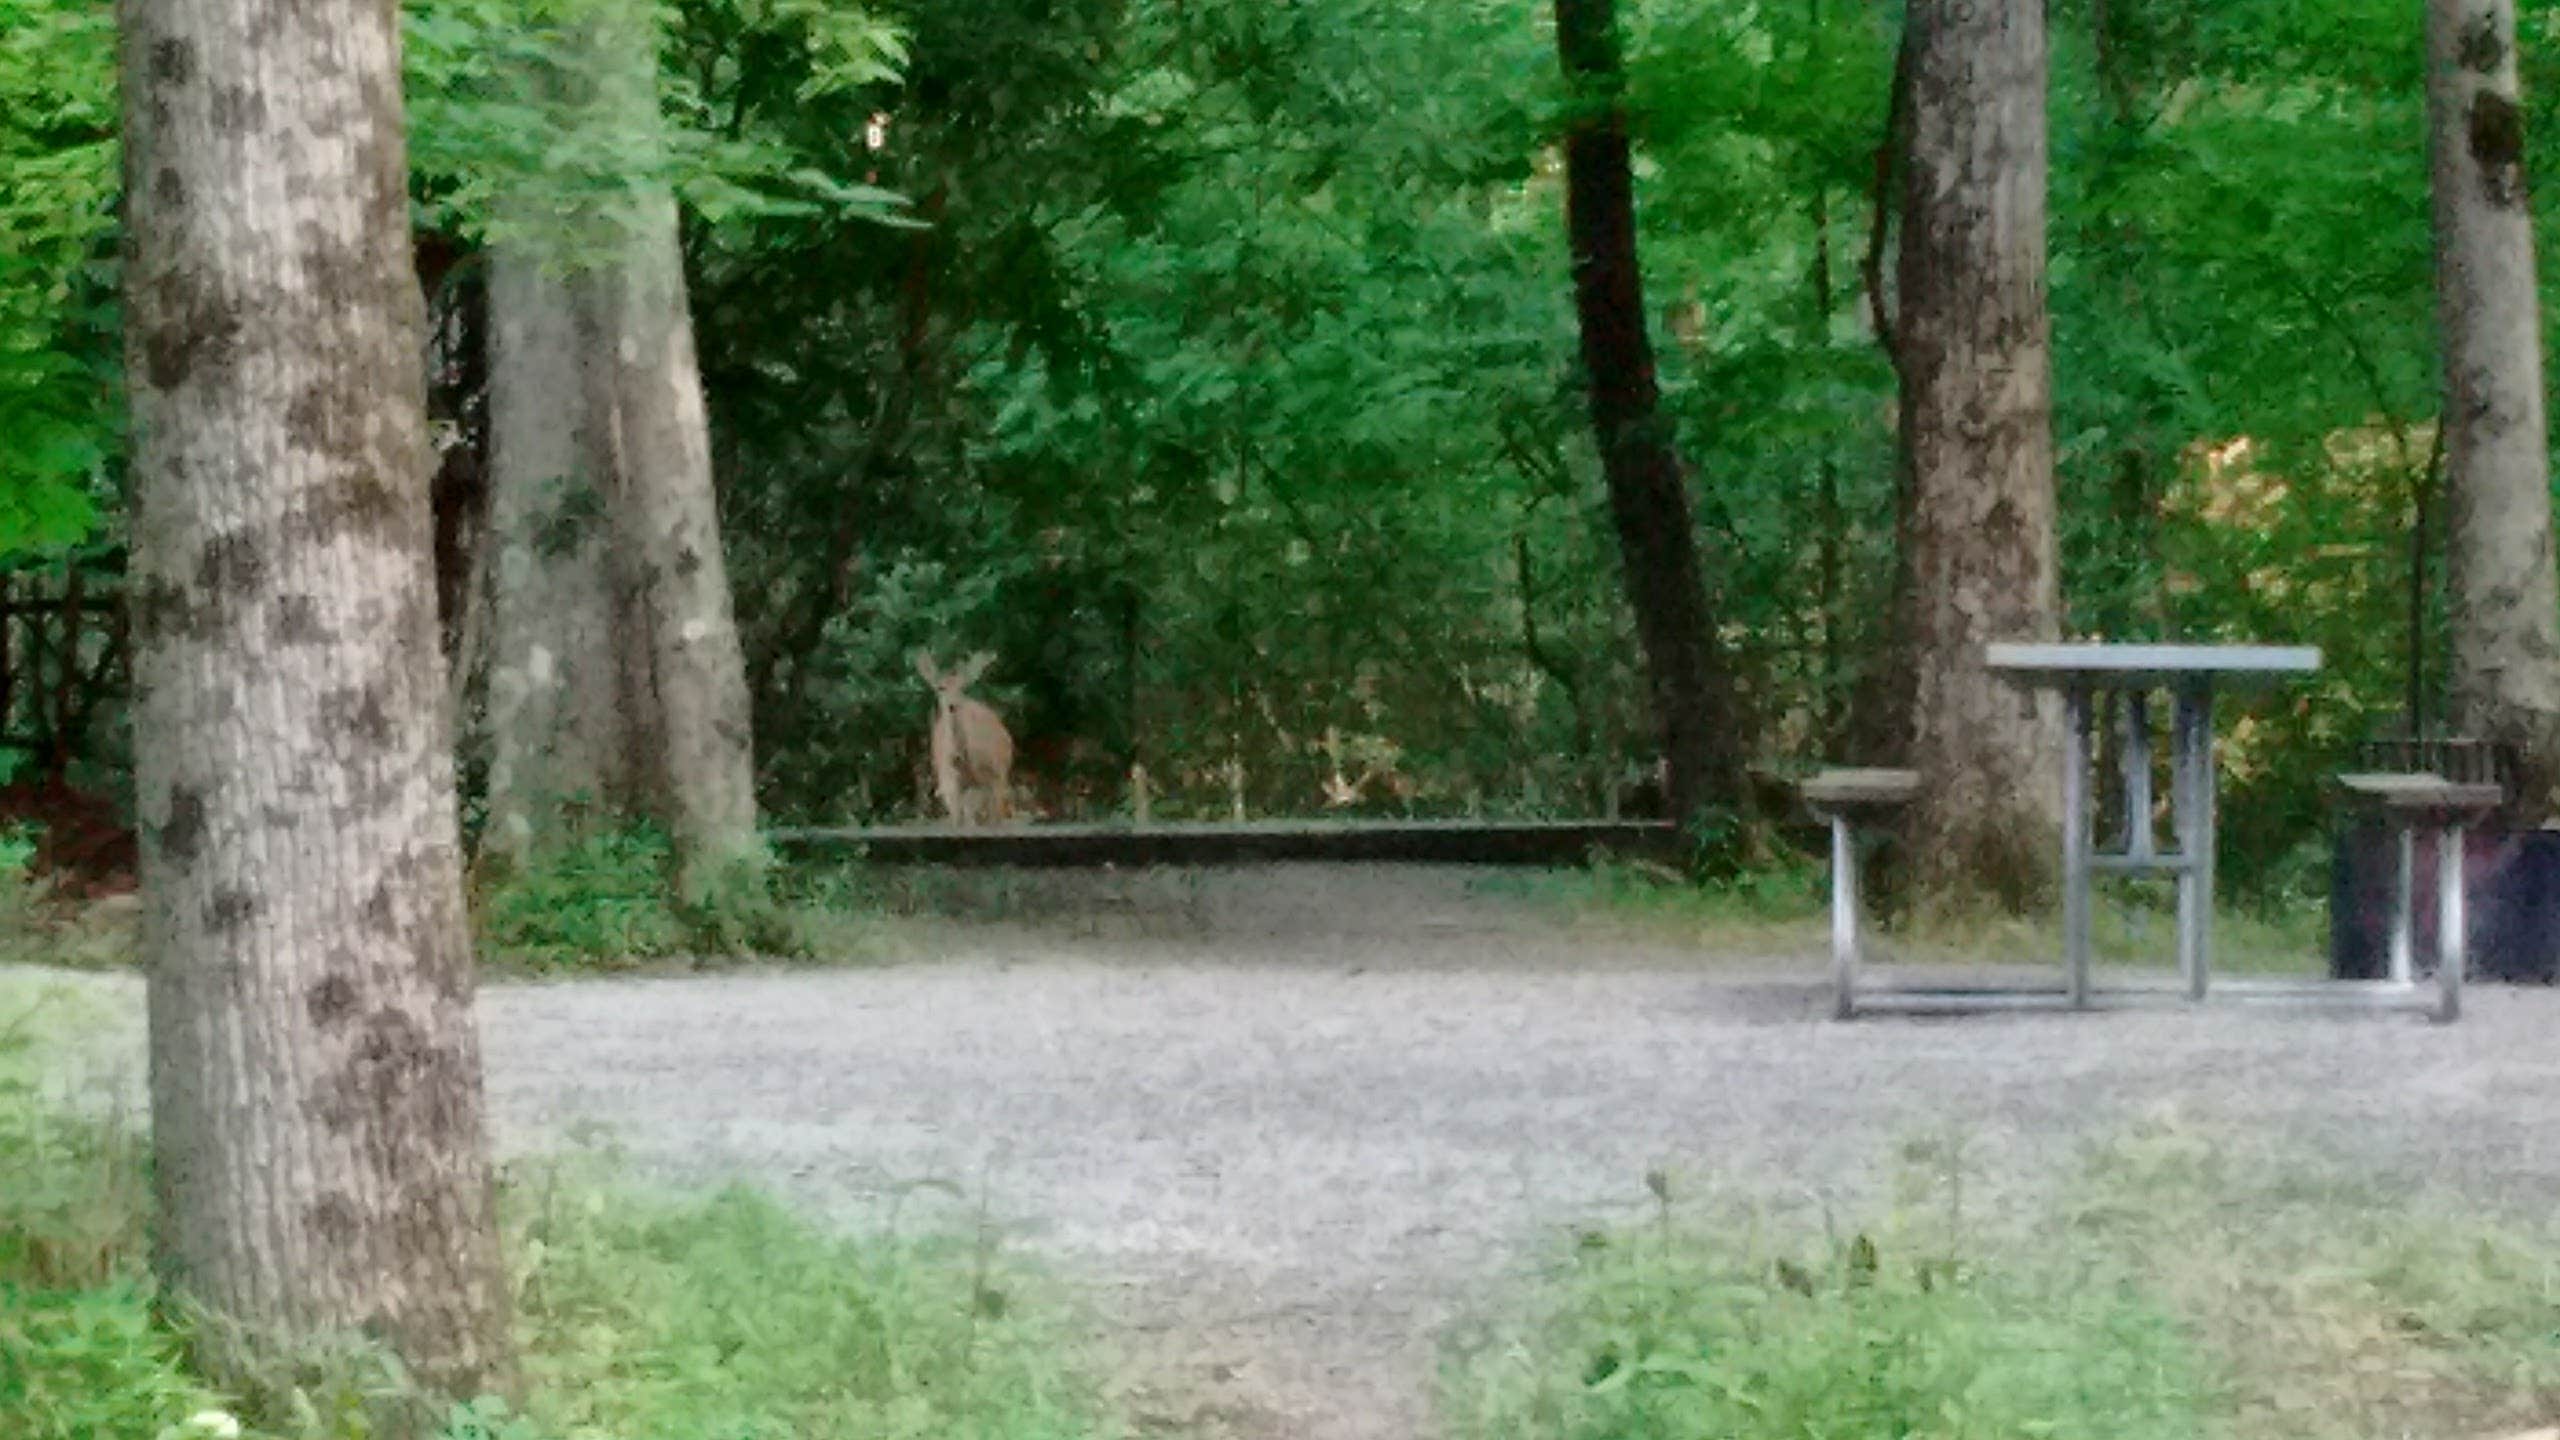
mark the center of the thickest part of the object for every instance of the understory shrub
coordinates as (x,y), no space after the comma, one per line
(601,903)
(607,902)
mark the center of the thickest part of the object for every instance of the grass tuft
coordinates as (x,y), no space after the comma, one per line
(1677,1335)
(2189,1282)
(724,1317)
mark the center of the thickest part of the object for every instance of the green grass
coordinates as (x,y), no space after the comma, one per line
(1773,910)
(1783,910)
(639,1316)
(730,1317)
(2340,1305)
(1863,1342)
(81,1354)
(2183,1287)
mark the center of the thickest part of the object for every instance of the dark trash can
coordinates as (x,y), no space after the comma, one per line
(2513,904)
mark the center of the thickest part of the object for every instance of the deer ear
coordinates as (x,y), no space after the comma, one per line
(924,667)
(976,666)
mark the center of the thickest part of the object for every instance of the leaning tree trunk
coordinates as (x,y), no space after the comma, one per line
(667,517)
(1973,351)
(1648,498)
(2505,602)
(568,732)
(315,1074)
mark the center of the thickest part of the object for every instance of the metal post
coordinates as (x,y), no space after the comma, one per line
(2137,775)
(2404,905)
(1844,917)
(2450,939)
(2193,762)
(2075,842)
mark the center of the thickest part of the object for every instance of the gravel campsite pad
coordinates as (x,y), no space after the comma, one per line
(1288,1141)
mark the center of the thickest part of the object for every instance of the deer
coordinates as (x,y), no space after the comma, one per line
(972,751)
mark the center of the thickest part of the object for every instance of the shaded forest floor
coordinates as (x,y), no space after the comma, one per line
(1295,1132)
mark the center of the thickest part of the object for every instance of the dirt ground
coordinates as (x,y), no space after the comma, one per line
(1288,1127)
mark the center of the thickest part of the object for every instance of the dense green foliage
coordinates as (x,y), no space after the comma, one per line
(601,901)
(59,391)
(1212,364)
(602,904)
(1253,436)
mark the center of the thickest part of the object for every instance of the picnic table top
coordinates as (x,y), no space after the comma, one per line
(2421,792)
(2146,664)
(1854,791)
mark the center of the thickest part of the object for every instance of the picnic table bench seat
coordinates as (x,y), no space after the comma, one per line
(2408,802)
(1848,798)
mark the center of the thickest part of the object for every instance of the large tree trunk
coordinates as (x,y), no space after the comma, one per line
(619,673)
(2505,602)
(567,730)
(315,1073)
(1648,498)
(668,520)
(1973,351)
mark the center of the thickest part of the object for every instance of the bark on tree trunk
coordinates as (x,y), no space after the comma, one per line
(619,672)
(668,522)
(1973,352)
(1648,499)
(563,731)
(315,1072)
(2505,602)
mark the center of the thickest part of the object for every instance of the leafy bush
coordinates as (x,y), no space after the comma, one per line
(82,1364)
(600,903)
(608,903)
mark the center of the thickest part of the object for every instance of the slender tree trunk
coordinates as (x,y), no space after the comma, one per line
(1973,351)
(564,731)
(315,1074)
(2505,602)
(1691,685)
(1879,711)
(1831,684)
(668,521)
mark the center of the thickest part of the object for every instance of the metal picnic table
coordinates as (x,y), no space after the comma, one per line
(2129,675)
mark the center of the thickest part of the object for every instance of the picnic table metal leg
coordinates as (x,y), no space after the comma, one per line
(2137,775)
(2450,939)
(2075,844)
(2193,762)
(2404,906)
(1844,918)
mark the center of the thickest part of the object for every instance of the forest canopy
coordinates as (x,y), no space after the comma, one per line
(1213,366)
